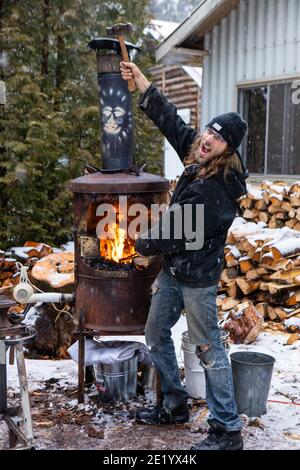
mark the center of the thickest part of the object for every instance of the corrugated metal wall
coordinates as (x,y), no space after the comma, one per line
(260,40)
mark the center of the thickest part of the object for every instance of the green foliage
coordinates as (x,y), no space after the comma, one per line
(50,125)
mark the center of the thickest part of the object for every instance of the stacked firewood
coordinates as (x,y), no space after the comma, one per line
(277,204)
(262,265)
(27,254)
(49,270)
(9,275)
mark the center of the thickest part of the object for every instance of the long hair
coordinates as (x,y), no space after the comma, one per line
(212,166)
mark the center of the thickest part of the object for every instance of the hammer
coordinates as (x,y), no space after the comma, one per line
(118,31)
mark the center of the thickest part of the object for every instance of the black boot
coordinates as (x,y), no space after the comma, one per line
(158,415)
(219,439)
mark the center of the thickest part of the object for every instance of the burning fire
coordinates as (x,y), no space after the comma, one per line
(117,248)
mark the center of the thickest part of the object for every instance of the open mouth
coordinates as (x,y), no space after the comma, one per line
(112,128)
(204,149)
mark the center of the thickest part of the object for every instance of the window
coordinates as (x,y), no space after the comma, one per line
(273,143)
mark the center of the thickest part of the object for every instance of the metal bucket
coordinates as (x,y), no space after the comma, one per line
(118,381)
(252,373)
(194,372)
(148,376)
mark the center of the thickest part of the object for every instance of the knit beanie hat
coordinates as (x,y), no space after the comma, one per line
(231,127)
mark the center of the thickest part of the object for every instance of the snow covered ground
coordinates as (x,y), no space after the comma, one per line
(278,429)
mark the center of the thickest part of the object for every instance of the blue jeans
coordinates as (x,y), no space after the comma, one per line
(169,297)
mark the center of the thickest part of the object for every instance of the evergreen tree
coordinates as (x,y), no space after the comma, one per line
(51,121)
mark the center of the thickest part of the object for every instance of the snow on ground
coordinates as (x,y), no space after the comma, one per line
(100,428)
(282,421)
(40,370)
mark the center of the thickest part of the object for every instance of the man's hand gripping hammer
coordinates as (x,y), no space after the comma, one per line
(118,31)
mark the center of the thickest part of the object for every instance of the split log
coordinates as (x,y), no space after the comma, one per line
(267,259)
(247,245)
(275,288)
(5,274)
(233,290)
(251,214)
(281,216)
(247,287)
(38,250)
(272,313)
(280,313)
(228,274)
(293,338)
(266,277)
(264,217)
(274,208)
(255,273)
(291,223)
(266,197)
(293,313)
(286,248)
(244,323)
(232,255)
(229,304)
(286,275)
(295,188)
(262,308)
(292,300)
(292,213)
(245,264)
(295,199)
(254,193)
(284,264)
(261,205)
(247,203)
(276,198)
(8,283)
(256,255)
(54,272)
(252,274)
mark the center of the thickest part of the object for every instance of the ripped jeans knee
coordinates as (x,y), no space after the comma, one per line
(206,356)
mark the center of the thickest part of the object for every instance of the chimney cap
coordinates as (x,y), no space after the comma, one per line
(110,44)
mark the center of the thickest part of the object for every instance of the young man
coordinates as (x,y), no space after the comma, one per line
(214,176)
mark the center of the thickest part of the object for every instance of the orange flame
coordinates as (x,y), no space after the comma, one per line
(117,248)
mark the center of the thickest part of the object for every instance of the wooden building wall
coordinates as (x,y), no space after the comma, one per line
(179,88)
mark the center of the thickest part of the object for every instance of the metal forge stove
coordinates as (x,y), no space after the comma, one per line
(112,294)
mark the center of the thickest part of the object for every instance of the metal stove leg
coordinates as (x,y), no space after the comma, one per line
(24,393)
(3,383)
(81,368)
(81,358)
(13,438)
(11,355)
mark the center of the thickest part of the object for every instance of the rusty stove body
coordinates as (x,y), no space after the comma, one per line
(112,295)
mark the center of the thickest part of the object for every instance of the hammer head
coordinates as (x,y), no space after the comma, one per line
(119,29)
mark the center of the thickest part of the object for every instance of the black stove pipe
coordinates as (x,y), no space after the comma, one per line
(117,133)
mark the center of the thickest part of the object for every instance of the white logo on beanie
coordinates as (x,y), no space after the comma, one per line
(217,126)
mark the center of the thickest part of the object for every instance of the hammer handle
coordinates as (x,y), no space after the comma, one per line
(131,82)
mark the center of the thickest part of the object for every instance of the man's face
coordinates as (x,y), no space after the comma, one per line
(212,144)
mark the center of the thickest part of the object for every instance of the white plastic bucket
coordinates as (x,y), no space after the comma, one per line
(194,372)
